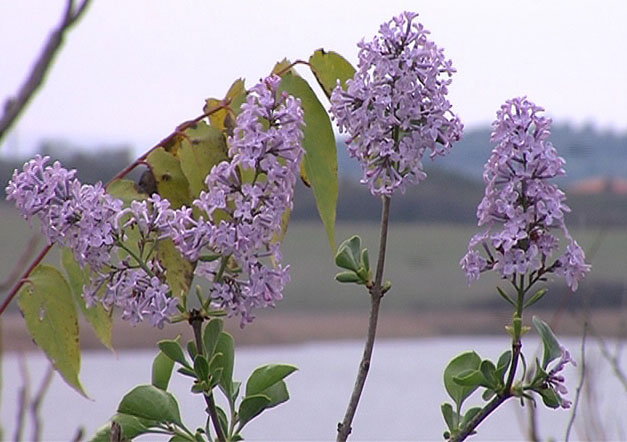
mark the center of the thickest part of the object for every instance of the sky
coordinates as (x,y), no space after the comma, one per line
(131,71)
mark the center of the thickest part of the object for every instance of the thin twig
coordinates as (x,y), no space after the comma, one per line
(376,293)
(22,398)
(13,107)
(582,376)
(35,404)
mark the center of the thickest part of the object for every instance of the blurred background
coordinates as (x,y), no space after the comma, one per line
(129,72)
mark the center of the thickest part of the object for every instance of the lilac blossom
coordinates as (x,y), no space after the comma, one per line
(244,205)
(93,224)
(395,107)
(522,206)
(556,381)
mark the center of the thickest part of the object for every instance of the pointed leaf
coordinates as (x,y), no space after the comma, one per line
(179,272)
(211,334)
(267,375)
(150,402)
(321,155)
(465,361)
(277,393)
(201,367)
(49,310)
(250,407)
(449,416)
(202,148)
(162,367)
(226,346)
(171,181)
(328,68)
(552,348)
(99,318)
(535,298)
(174,351)
(222,119)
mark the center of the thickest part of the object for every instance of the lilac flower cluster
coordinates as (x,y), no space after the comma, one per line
(521,197)
(245,203)
(85,219)
(395,107)
(556,381)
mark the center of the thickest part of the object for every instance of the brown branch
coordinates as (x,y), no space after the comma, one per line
(14,106)
(376,293)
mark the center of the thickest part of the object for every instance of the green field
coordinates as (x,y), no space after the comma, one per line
(422,263)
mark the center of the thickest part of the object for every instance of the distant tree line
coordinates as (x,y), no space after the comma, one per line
(450,194)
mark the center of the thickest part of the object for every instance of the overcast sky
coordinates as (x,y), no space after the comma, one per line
(134,69)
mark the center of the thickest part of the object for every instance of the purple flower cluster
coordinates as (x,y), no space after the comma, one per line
(395,107)
(521,198)
(246,199)
(556,381)
(85,219)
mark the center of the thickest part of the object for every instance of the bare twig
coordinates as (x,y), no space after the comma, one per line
(582,377)
(35,404)
(376,293)
(14,106)
(22,398)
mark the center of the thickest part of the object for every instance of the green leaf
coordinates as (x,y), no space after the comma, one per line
(211,334)
(162,367)
(535,298)
(321,155)
(150,402)
(47,304)
(226,346)
(488,370)
(224,422)
(347,276)
(179,272)
(550,398)
(267,375)
(252,406)
(132,426)
(449,416)
(552,348)
(348,254)
(99,318)
(328,68)
(171,181)
(469,378)
(174,351)
(277,393)
(465,361)
(126,190)
(201,367)
(202,148)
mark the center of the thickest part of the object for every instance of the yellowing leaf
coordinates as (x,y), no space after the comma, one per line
(328,68)
(171,181)
(178,271)
(203,147)
(223,119)
(321,155)
(100,320)
(52,320)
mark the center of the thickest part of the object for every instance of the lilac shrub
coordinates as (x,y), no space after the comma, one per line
(522,206)
(395,107)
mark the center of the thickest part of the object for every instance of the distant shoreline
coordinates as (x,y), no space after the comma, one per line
(291,327)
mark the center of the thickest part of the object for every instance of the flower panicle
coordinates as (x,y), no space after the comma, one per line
(395,107)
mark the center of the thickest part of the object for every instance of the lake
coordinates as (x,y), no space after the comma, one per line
(401,400)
